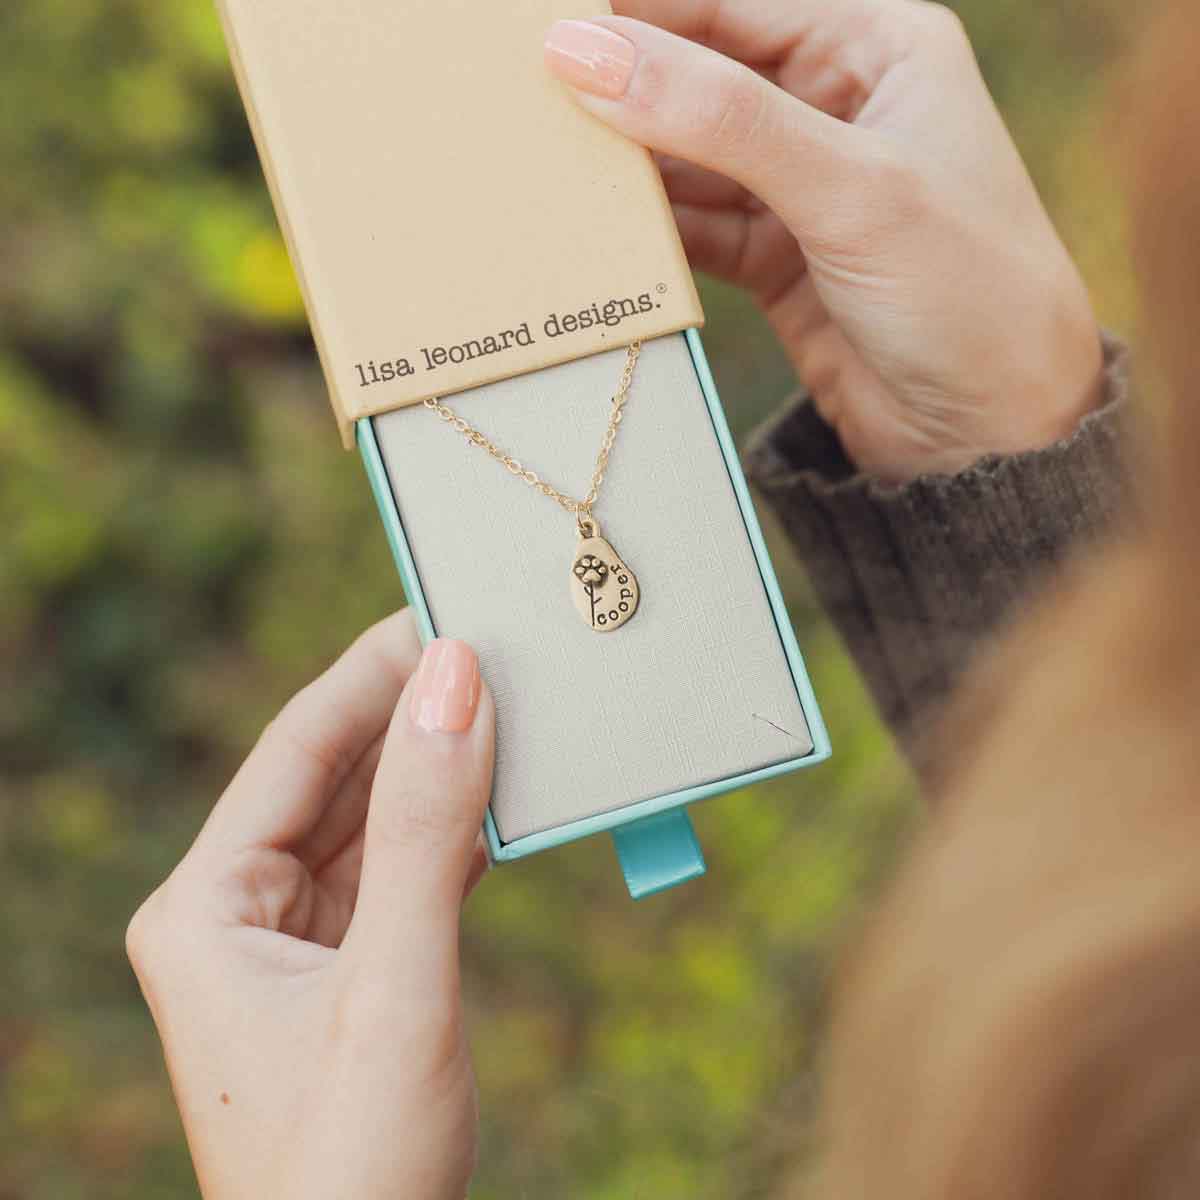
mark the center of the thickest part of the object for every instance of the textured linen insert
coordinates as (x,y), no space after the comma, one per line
(696,687)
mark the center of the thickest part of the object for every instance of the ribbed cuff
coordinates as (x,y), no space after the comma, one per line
(917,576)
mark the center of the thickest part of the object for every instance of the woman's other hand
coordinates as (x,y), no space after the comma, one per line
(843,161)
(301,962)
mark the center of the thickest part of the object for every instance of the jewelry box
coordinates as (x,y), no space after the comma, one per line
(633,635)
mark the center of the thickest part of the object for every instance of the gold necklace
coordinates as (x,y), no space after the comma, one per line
(603,588)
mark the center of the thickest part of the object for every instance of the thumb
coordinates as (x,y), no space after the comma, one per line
(690,102)
(431,789)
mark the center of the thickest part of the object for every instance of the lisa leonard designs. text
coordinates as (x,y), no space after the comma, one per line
(610,313)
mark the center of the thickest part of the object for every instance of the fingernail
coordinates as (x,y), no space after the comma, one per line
(445,689)
(590,57)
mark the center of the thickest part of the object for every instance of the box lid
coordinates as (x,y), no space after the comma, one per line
(453,216)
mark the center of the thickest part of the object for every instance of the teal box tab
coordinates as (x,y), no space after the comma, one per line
(658,852)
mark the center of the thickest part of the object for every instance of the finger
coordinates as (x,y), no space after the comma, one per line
(812,36)
(796,314)
(756,31)
(481,864)
(877,430)
(344,814)
(687,101)
(843,51)
(821,359)
(691,184)
(427,807)
(340,879)
(332,852)
(284,786)
(755,252)
(750,30)
(337,885)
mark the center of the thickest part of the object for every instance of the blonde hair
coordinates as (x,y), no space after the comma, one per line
(1022,1019)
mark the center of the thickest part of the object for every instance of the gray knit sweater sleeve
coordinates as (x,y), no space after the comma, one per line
(916,577)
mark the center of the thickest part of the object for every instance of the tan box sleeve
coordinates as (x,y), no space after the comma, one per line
(437,189)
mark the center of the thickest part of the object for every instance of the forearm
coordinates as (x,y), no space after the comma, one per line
(917,577)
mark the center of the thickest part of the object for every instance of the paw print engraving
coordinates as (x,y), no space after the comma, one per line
(590,571)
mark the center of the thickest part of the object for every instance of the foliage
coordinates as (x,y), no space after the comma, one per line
(184,544)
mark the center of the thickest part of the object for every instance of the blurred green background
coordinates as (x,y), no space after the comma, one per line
(177,528)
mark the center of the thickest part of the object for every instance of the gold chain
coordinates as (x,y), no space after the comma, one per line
(582,509)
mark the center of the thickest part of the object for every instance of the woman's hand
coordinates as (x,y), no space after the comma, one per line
(301,962)
(843,161)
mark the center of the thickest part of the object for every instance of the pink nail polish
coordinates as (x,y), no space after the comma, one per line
(445,689)
(590,57)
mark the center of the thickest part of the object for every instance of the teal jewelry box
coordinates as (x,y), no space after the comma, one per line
(653,834)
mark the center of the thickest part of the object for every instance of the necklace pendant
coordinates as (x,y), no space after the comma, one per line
(604,589)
